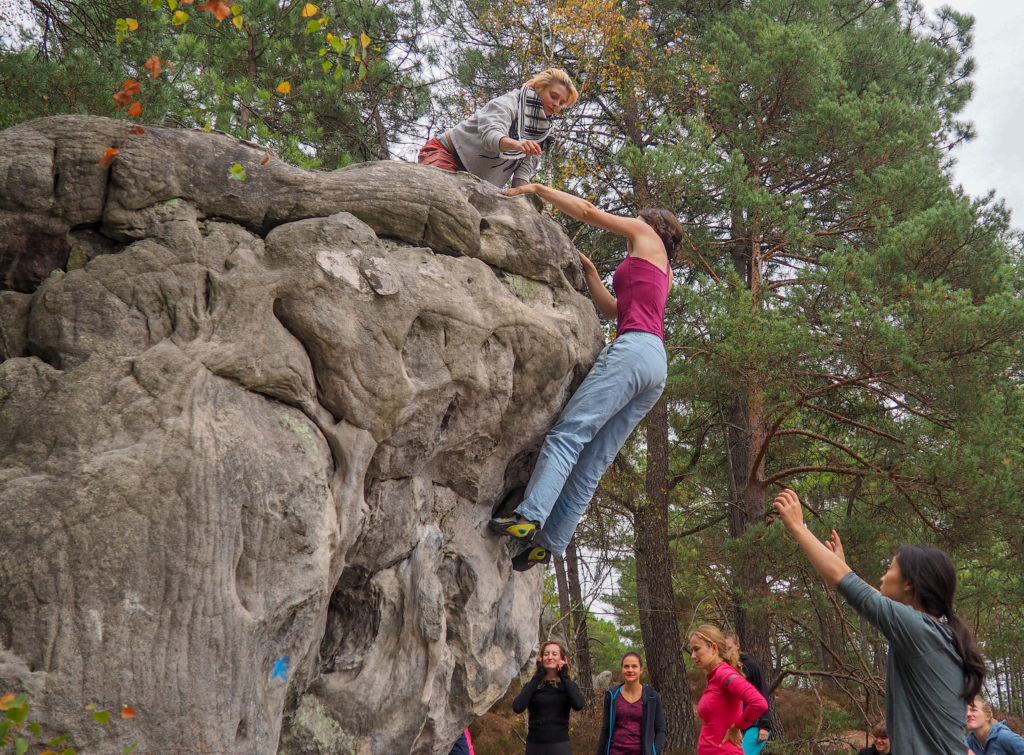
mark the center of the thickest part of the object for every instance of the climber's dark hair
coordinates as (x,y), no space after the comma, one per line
(932,577)
(667,226)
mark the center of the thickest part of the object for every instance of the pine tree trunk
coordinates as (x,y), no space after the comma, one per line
(583,668)
(659,625)
(745,439)
(564,603)
(748,507)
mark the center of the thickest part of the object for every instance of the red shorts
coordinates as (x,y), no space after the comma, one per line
(435,153)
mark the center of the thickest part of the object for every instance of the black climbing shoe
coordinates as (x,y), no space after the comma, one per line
(535,555)
(510,525)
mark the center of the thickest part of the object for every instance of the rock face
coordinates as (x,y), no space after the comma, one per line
(250,435)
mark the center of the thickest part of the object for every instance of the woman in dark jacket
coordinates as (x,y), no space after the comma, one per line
(548,696)
(633,721)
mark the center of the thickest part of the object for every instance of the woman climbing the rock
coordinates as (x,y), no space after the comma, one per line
(504,139)
(934,668)
(620,388)
(548,696)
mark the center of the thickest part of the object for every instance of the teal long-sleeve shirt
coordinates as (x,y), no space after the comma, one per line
(925,712)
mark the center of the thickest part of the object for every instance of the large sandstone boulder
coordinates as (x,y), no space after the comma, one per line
(250,435)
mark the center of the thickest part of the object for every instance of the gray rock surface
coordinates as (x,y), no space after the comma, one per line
(250,421)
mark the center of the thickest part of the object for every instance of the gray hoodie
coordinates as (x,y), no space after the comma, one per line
(476,141)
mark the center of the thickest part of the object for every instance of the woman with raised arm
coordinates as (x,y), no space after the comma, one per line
(620,388)
(505,138)
(549,696)
(934,668)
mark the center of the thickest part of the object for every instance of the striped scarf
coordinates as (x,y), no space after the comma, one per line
(531,122)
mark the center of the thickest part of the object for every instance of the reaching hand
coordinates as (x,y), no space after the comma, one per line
(787,503)
(588,266)
(515,191)
(835,545)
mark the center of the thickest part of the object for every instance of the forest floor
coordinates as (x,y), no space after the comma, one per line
(500,731)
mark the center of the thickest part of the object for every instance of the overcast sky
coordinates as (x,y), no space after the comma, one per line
(995,158)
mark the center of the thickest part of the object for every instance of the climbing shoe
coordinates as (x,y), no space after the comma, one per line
(510,525)
(535,555)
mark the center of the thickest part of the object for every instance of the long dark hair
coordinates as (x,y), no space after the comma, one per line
(667,226)
(932,576)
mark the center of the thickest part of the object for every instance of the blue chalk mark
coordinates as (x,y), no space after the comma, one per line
(280,667)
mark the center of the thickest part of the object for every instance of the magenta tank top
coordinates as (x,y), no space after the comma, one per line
(641,289)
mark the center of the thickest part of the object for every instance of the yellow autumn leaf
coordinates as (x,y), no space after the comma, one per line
(364,39)
(309,10)
(132,24)
(179,18)
(284,87)
(237,21)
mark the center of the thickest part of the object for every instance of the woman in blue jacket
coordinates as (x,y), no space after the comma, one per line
(633,721)
(988,737)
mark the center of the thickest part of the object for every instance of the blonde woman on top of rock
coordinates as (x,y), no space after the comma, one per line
(622,386)
(505,138)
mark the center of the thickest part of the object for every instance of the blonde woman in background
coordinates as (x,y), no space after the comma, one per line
(988,737)
(730,704)
(504,139)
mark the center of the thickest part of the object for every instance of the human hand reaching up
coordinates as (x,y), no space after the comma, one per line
(834,544)
(787,503)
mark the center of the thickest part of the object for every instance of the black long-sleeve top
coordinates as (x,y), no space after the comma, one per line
(752,670)
(549,706)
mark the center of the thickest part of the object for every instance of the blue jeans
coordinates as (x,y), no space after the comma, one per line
(621,387)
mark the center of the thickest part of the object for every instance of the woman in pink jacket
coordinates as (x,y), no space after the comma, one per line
(730,704)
